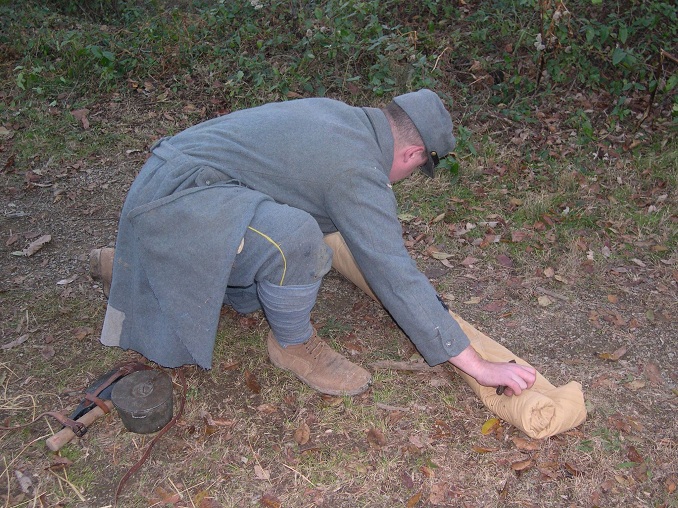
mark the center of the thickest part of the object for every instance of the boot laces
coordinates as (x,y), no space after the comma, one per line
(315,346)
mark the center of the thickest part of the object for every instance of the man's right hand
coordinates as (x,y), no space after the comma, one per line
(513,376)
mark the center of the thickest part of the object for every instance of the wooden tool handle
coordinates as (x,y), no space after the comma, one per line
(64,436)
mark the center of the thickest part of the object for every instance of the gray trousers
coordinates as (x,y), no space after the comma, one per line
(282,246)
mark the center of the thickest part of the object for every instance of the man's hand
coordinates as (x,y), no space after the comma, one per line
(513,376)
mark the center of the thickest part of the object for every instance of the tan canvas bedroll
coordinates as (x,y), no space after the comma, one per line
(542,411)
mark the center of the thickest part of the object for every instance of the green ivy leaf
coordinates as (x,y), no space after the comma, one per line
(618,56)
(623,34)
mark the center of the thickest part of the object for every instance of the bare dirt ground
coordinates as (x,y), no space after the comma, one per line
(253,436)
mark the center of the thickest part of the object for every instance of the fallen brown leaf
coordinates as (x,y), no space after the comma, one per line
(209,502)
(518,236)
(166,497)
(469,261)
(653,373)
(640,472)
(495,306)
(521,465)
(633,455)
(613,357)
(210,427)
(270,501)
(16,342)
(34,246)
(603,381)
(528,445)
(504,260)
(231,365)
(261,473)
(636,384)
(376,438)
(47,352)
(60,463)
(549,469)
(222,422)
(544,301)
(571,470)
(252,382)
(81,116)
(412,502)
(624,423)
(438,494)
(406,479)
(82,331)
(267,409)
(427,471)
(13,238)
(503,493)
(302,434)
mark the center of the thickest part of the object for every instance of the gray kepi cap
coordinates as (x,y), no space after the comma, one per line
(433,122)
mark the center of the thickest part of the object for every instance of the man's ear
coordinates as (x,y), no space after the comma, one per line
(416,153)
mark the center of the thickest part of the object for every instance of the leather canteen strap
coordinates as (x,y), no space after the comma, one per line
(101,388)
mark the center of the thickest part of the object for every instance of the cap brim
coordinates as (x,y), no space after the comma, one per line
(428,169)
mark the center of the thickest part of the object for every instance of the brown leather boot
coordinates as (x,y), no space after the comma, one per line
(101,266)
(319,366)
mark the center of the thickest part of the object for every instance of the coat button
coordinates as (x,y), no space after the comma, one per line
(448,344)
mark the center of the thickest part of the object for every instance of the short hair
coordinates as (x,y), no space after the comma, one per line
(405,131)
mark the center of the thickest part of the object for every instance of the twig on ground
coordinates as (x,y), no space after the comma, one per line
(548,292)
(386,407)
(406,366)
(300,474)
(435,66)
(6,471)
(73,487)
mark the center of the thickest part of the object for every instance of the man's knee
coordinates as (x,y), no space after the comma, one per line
(283,245)
(306,252)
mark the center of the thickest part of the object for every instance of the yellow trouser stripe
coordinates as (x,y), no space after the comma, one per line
(277,247)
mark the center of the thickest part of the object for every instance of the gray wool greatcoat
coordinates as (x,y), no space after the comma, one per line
(189,207)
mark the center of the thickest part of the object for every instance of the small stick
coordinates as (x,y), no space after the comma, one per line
(407,366)
(75,489)
(548,292)
(386,407)
(297,472)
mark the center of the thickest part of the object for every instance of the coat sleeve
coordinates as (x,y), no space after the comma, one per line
(362,206)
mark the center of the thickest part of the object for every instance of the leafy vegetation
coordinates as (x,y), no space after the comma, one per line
(343,47)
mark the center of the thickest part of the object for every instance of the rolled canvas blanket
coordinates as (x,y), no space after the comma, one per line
(542,411)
